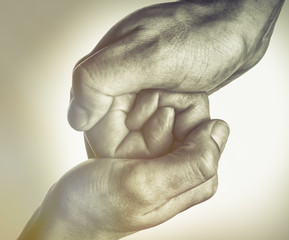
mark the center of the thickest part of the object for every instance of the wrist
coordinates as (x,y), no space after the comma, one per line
(49,223)
(42,226)
(259,16)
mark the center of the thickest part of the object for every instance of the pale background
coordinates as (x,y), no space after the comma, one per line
(40,42)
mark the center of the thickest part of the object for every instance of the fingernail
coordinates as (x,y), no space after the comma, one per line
(220,133)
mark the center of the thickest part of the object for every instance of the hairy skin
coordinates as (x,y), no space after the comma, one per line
(187,46)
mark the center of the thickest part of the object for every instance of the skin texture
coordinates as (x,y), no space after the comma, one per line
(109,198)
(146,125)
(187,46)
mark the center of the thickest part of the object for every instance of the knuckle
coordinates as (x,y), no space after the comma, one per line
(206,164)
(80,80)
(211,188)
(203,99)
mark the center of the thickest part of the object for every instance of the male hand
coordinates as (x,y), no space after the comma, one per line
(186,46)
(110,198)
(148,185)
(136,185)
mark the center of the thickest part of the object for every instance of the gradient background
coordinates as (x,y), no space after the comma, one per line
(40,43)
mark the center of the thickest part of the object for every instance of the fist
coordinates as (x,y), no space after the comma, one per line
(146,125)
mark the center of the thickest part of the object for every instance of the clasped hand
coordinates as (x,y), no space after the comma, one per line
(155,154)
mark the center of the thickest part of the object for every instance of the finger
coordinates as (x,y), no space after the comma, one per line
(154,139)
(105,74)
(191,110)
(145,106)
(158,132)
(89,151)
(125,61)
(110,137)
(188,167)
(87,106)
(198,158)
(182,202)
(105,137)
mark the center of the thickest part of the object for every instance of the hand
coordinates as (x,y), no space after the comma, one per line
(187,46)
(111,198)
(147,125)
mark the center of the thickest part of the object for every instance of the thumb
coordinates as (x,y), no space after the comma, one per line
(212,134)
(180,176)
(198,157)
